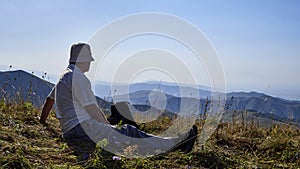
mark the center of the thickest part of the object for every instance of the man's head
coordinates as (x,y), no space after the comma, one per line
(81,55)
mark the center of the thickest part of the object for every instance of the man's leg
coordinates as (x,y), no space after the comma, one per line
(120,139)
(80,142)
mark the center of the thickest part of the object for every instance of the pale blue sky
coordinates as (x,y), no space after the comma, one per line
(257,41)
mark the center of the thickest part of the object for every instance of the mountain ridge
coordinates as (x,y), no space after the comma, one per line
(34,89)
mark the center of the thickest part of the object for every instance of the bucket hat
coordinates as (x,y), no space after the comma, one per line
(81,52)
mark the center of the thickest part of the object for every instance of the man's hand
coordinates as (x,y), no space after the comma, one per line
(94,111)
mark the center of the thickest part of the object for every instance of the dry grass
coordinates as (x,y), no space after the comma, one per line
(25,143)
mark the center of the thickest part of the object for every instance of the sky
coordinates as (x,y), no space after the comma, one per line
(258,42)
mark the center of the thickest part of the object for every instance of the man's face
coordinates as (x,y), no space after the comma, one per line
(84,66)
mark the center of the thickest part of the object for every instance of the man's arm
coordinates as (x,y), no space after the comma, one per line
(46,109)
(96,113)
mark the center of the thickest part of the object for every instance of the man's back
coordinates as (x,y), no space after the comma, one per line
(69,95)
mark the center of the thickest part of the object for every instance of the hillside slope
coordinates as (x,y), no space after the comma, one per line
(25,143)
(20,85)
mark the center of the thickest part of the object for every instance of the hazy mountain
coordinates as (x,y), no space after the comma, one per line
(240,101)
(267,105)
(245,94)
(106,90)
(16,85)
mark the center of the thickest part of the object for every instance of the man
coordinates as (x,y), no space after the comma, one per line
(82,121)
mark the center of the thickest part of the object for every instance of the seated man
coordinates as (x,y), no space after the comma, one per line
(82,121)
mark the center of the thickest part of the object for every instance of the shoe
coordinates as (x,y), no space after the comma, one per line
(187,144)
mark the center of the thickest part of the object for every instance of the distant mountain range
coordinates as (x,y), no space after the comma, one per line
(259,104)
(22,85)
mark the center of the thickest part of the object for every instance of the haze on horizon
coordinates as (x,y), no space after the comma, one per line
(257,41)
